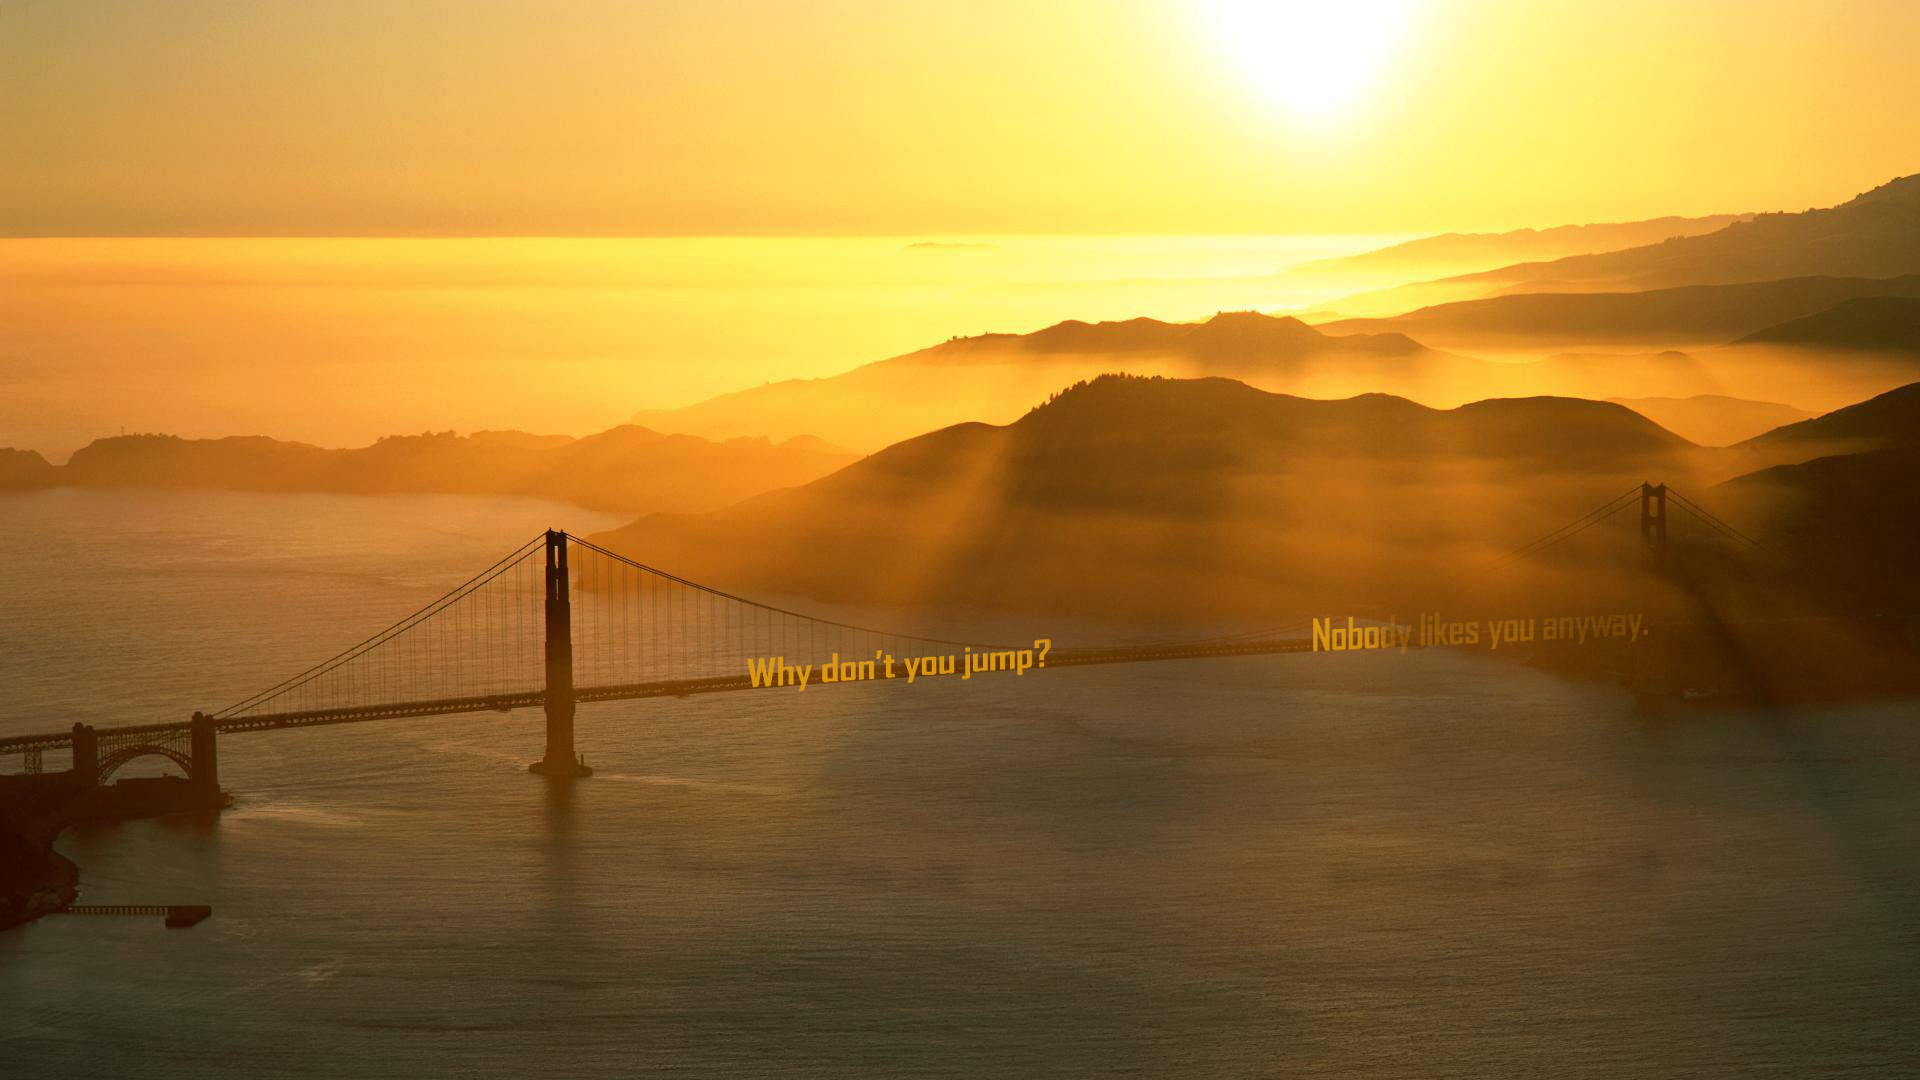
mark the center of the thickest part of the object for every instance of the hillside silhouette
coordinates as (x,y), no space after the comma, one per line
(1680,316)
(1848,522)
(23,469)
(1393,274)
(1887,324)
(1873,235)
(1887,420)
(994,378)
(627,468)
(1152,495)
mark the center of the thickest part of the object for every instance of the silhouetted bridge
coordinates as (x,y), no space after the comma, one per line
(516,637)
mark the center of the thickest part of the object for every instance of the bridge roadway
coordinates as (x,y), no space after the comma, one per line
(1120,654)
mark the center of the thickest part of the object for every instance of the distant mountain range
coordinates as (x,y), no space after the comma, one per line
(997,377)
(627,468)
(1454,254)
(994,378)
(1680,316)
(1843,280)
(1874,235)
(1200,489)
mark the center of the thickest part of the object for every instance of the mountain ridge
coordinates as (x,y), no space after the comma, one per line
(624,468)
(1451,254)
(1885,419)
(1863,323)
(1681,315)
(1875,234)
(882,402)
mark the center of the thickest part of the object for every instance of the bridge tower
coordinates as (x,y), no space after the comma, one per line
(86,756)
(1653,523)
(560,759)
(205,752)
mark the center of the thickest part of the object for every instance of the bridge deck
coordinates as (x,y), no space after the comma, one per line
(545,558)
(622,692)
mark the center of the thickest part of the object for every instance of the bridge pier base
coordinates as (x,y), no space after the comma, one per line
(561,760)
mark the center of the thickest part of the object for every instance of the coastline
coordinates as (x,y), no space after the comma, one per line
(35,879)
(38,881)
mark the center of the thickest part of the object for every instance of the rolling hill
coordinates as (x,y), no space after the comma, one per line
(1889,419)
(1848,524)
(1135,495)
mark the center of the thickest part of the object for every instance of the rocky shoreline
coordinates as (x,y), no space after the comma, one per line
(35,879)
(35,809)
(38,881)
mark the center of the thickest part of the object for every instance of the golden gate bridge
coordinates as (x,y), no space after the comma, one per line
(561,621)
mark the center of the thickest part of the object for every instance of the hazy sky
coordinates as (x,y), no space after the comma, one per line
(222,117)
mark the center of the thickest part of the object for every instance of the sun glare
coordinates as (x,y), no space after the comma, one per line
(1313,58)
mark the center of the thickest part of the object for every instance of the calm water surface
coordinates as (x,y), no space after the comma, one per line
(1417,866)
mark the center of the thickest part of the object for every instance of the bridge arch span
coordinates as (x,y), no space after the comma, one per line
(111,763)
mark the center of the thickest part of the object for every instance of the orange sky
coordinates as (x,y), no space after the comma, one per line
(1014,116)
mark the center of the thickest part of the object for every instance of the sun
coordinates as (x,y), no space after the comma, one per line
(1314,58)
